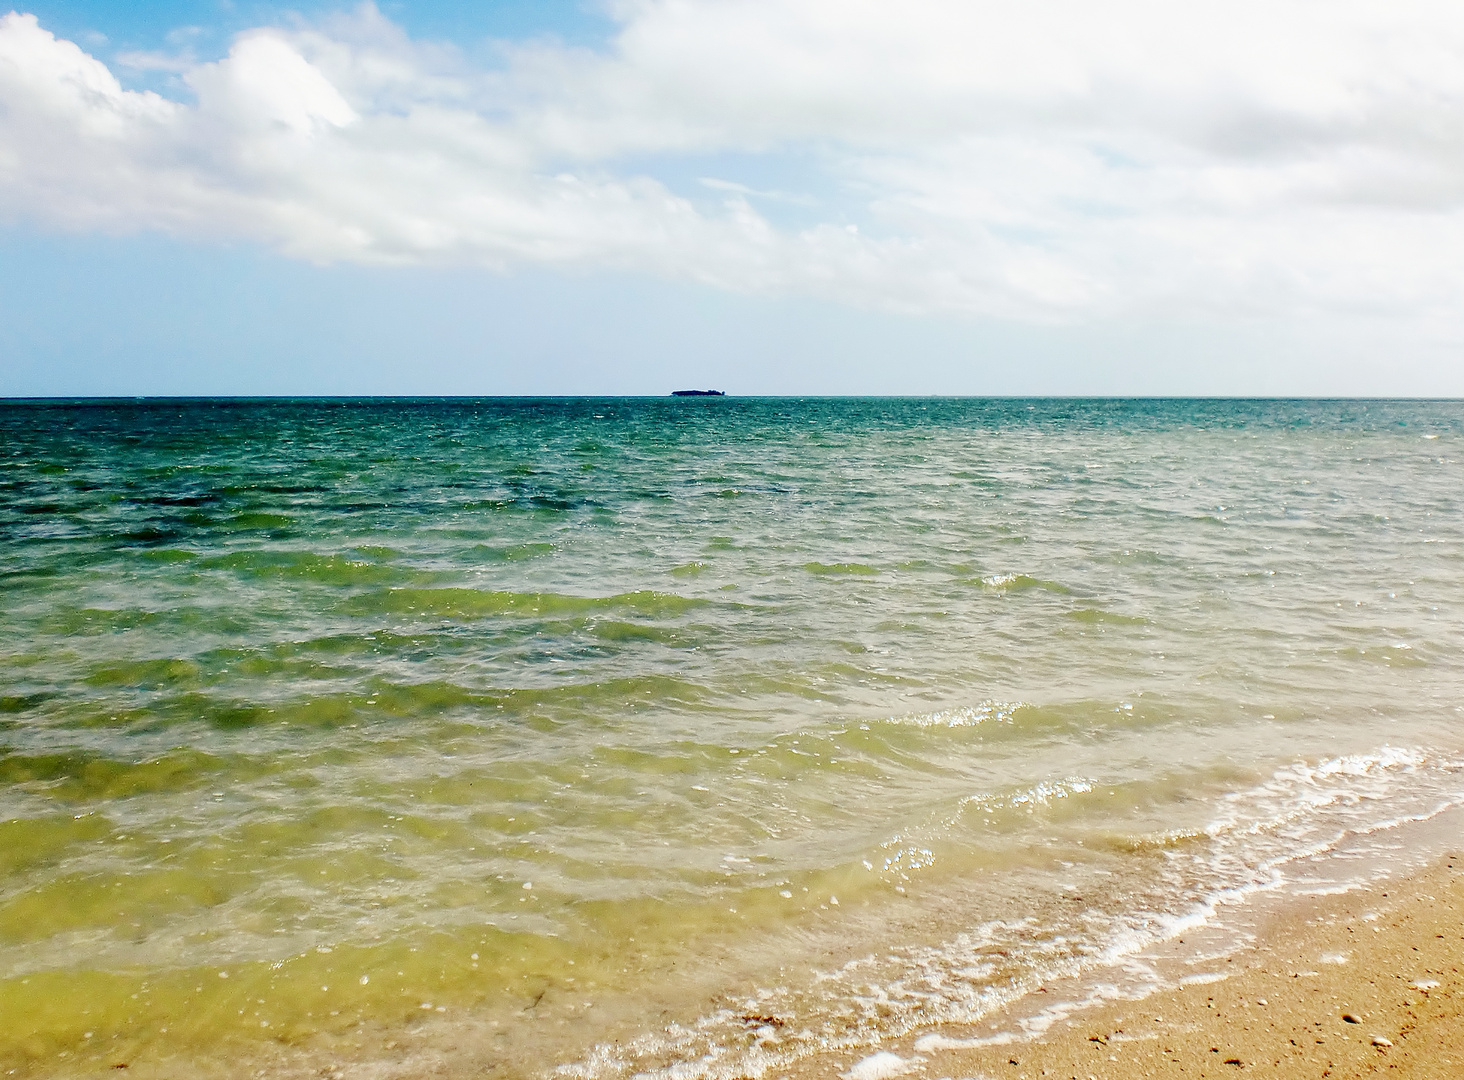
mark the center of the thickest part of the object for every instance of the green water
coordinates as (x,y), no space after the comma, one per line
(504,736)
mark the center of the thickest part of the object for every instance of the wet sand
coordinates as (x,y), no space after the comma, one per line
(1359,984)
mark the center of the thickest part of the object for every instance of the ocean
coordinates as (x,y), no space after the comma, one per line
(681,738)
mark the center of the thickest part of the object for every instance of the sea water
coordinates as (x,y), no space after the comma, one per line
(601,737)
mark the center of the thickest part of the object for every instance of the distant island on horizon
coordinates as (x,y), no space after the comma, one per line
(698,393)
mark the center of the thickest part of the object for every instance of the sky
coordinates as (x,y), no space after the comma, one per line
(766,196)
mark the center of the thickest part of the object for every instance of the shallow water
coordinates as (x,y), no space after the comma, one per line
(623,735)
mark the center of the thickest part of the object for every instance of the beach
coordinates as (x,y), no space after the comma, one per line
(1365,982)
(709,738)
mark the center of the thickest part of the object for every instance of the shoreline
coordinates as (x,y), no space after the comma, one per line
(1266,988)
(1256,979)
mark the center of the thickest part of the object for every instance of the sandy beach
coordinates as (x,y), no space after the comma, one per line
(1358,984)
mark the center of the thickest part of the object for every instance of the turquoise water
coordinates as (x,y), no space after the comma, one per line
(628,735)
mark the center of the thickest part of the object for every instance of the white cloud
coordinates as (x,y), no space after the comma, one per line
(267,85)
(1054,159)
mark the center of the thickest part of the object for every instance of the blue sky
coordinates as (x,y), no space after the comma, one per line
(107,26)
(768,196)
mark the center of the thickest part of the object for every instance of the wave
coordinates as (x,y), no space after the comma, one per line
(310,566)
(843,569)
(509,552)
(83,776)
(460,603)
(1174,881)
(1016,583)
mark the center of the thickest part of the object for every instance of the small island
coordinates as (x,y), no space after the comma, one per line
(698,393)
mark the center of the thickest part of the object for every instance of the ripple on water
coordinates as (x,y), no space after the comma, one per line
(301,695)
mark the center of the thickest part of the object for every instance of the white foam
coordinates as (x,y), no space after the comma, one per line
(879,1066)
(1200,978)
(965,716)
(929,1044)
